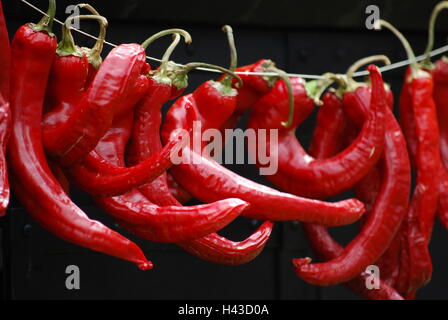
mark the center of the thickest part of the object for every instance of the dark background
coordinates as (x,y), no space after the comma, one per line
(301,36)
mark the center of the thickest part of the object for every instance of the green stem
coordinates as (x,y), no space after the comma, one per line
(432,23)
(362,62)
(410,53)
(282,74)
(163,33)
(195,65)
(46,23)
(95,52)
(227,81)
(316,88)
(67,44)
(170,49)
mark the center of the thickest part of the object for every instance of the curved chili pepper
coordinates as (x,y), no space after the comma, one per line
(145,141)
(208,181)
(419,220)
(390,206)
(94,112)
(439,72)
(327,140)
(99,177)
(72,72)
(5,113)
(217,249)
(254,87)
(33,50)
(327,248)
(298,172)
(162,224)
(367,190)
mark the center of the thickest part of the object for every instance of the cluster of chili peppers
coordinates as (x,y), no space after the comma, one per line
(69,118)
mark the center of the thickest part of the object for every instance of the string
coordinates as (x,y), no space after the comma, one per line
(390,67)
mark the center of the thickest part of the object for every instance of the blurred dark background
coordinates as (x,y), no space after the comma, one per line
(302,37)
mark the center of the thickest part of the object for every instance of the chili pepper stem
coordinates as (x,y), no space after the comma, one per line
(352,84)
(180,75)
(426,63)
(416,71)
(94,54)
(46,23)
(163,33)
(282,74)
(227,81)
(67,45)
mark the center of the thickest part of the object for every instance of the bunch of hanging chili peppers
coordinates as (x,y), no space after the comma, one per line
(69,118)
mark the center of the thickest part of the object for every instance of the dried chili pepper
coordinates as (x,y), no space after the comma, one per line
(33,50)
(298,173)
(94,113)
(439,71)
(389,208)
(5,113)
(99,177)
(421,115)
(145,141)
(67,81)
(208,181)
(162,224)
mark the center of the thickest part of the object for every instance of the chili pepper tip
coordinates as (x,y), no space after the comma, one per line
(145,265)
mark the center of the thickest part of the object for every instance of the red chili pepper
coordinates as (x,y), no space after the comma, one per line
(217,249)
(208,181)
(99,177)
(145,142)
(327,248)
(440,95)
(162,224)
(69,76)
(390,206)
(439,71)
(418,223)
(328,140)
(94,113)
(33,50)
(300,174)
(5,113)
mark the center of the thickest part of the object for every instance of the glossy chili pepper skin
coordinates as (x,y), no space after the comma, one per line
(419,220)
(368,188)
(66,86)
(32,55)
(298,172)
(161,224)
(145,142)
(94,113)
(170,224)
(145,139)
(327,248)
(331,127)
(217,249)
(98,176)
(254,87)
(440,95)
(387,213)
(5,113)
(208,181)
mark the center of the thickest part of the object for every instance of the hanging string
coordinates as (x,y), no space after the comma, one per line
(392,66)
